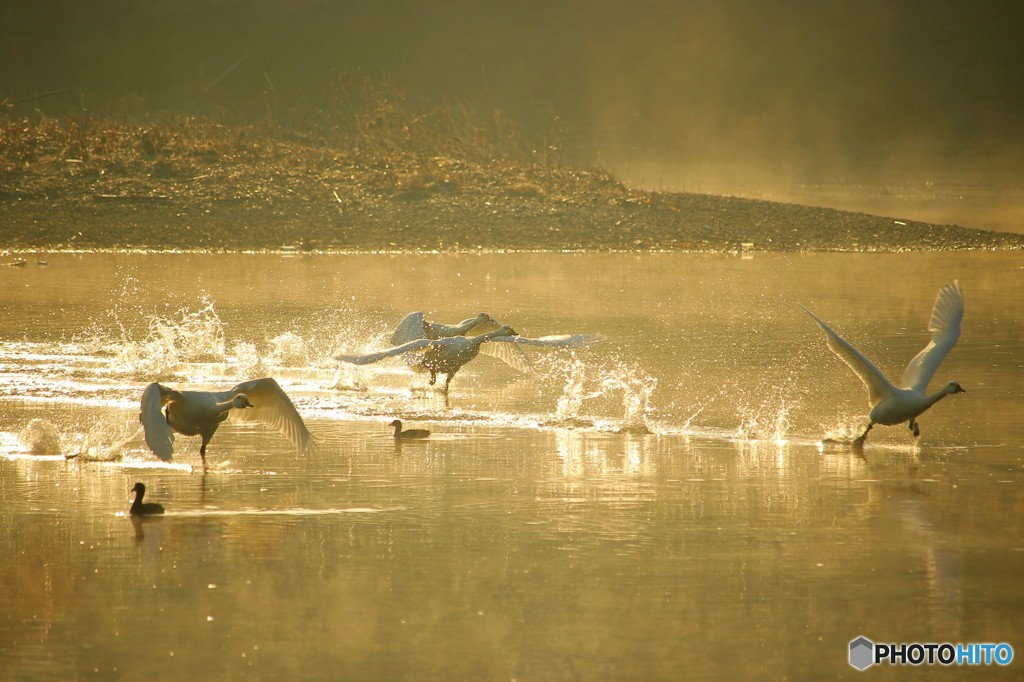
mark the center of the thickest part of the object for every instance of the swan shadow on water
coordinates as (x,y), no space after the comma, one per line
(890,404)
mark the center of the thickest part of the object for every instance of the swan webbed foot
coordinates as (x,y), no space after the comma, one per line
(858,442)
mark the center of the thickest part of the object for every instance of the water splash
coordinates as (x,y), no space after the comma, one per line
(106,439)
(584,383)
(244,360)
(41,437)
(843,432)
(288,349)
(767,421)
(187,336)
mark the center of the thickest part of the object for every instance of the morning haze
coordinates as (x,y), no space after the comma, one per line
(725,97)
(245,247)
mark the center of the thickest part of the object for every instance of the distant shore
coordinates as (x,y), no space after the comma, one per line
(198,185)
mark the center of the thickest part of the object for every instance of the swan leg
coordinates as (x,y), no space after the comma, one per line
(859,441)
(433,378)
(202,450)
(915,428)
(448,381)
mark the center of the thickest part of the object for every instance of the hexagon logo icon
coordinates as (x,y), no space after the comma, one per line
(862,653)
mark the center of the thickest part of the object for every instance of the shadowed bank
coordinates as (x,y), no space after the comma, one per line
(740,98)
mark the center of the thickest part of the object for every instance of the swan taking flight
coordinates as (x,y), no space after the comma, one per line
(416,326)
(448,355)
(891,405)
(199,413)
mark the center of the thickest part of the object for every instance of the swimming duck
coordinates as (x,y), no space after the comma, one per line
(200,413)
(140,508)
(408,434)
(891,405)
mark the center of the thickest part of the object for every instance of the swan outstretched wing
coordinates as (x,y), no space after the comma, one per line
(944,325)
(272,406)
(879,387)
(510,354)
(377,356)
(409,329)
(554,340)
(159,436)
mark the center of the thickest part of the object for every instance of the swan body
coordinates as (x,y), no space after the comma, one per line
(416,326)
(408,434)
(200,413)
(140,508)
(891,404)
(448,355)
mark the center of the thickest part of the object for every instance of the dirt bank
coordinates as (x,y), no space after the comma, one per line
(189,184)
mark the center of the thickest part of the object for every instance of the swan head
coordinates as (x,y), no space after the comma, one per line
(955,387)
(483,317)
(240,401)
(169,395)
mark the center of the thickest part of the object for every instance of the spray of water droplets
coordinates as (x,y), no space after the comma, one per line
(589,385)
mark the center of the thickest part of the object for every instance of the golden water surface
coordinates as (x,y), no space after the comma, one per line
(660,506)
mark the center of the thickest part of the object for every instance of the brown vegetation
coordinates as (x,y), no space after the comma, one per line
(376,174)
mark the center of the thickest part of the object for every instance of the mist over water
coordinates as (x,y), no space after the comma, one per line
(674,483)
(884,102)
(679,500)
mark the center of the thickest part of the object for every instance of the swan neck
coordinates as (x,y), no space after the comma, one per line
(225,406)
(493,334)
(937,396)
(466,325)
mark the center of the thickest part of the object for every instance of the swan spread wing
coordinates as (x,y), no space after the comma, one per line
(377,356)
(159,436)
(409,329)
(879,387)
(511,355)
(945,327)
(554,340)
(272,406)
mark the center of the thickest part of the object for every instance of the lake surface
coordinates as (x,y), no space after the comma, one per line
(659,506)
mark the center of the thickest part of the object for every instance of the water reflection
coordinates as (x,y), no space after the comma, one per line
(665,506)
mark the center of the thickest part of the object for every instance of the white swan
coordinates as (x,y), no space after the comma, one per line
(416,326)
(891,405)
(448,355)
(199,413)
